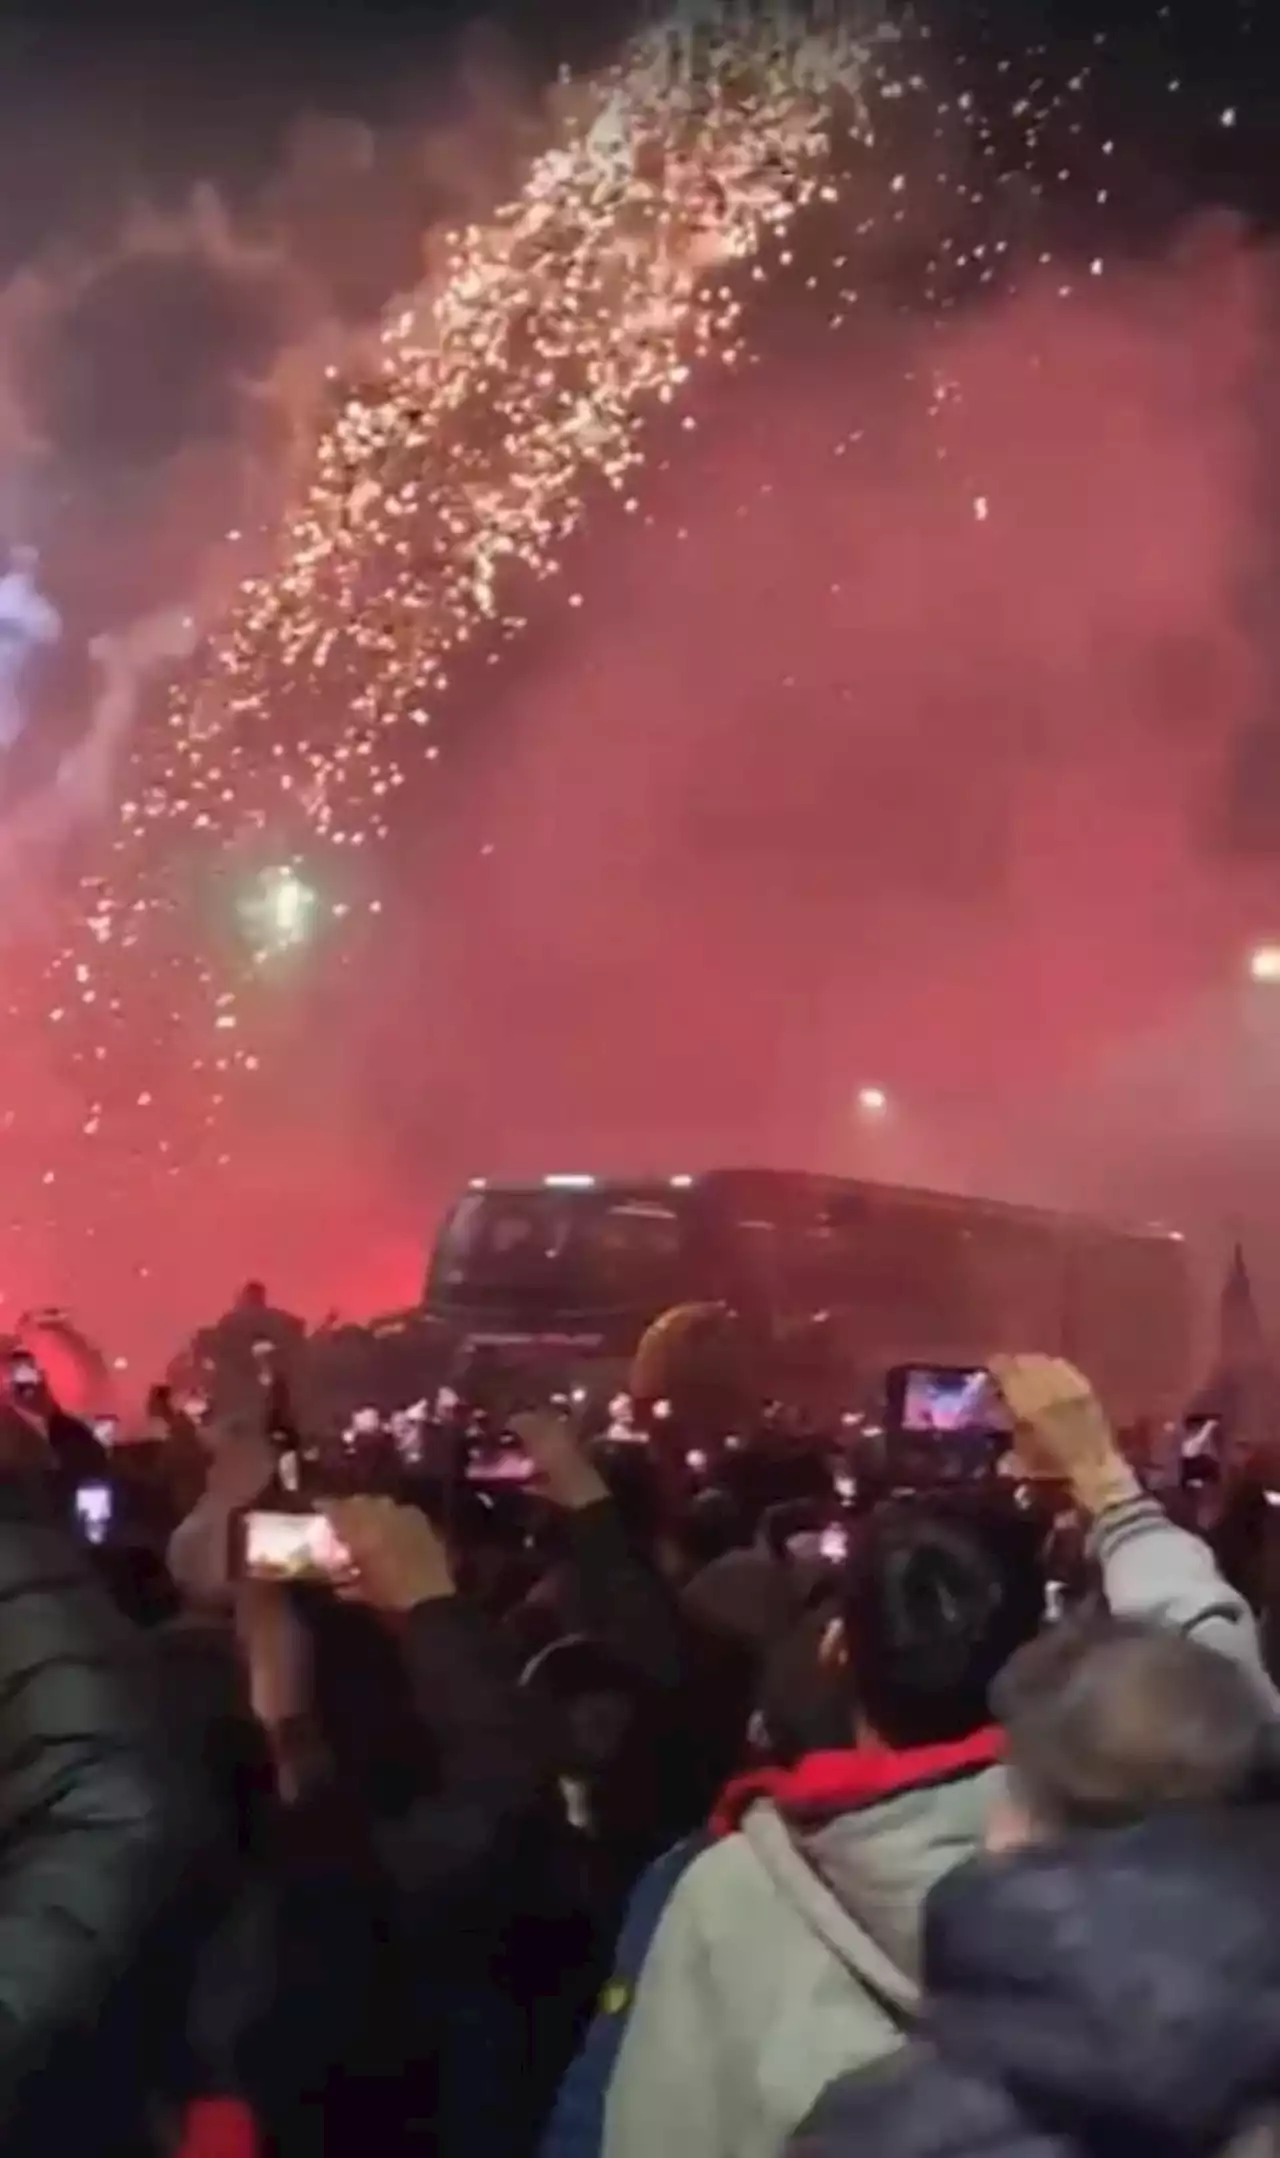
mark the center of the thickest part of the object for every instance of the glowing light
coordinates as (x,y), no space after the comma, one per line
(873,1101)
(278,913)
(1264,964)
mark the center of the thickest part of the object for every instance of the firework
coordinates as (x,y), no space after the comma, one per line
(443,490)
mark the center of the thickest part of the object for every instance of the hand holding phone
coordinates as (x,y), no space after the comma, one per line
(1061,1431)
(501,1460)
(556,1456)
(947,1401)
(25,1375)
(298,1547)
(399,1559)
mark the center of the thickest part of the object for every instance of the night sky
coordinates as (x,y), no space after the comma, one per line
(921,729)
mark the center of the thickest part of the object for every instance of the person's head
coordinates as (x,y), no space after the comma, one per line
(1110,1720)
(588,1698)
(934,1602)
(253,1296)
(708,1526)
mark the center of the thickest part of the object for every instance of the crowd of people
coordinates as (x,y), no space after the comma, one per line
(597,1818)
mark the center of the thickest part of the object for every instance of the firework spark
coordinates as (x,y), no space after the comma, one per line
(444,488)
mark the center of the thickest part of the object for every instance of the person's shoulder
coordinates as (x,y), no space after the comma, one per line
(913,2104)
(35,1547)
(720,1887)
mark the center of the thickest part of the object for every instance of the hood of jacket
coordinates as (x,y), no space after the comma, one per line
(855,1840)
(1122,1987)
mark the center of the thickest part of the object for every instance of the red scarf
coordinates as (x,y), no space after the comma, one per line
(219,2128)
(830,1783)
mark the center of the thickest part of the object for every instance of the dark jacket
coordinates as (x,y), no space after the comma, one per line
(1113,1994)
(96,1833)
(704,1681)
(576,2127)
(379,1966)
(472,1863)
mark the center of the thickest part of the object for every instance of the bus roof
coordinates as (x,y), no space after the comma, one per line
(941,1202)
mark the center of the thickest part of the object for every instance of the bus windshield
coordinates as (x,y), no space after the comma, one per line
(560,1251)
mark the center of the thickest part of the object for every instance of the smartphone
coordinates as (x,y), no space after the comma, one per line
(946,1401)
(291,1547)
(24,1371)
(106,1429)
(94,1504)
(499,1461)
(818,1547)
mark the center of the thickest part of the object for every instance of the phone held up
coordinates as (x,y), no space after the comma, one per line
(25,1375)
(289,1547)
(946,1401)
(94,1508)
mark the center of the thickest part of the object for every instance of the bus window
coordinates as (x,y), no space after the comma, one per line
(754,1275)
(895,1270)
(1019,1284)
(636,1248)
(908,1269)
(562,1249)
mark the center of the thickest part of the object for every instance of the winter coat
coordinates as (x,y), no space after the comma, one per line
(98,1839)
(787,1953)
(1117,1993)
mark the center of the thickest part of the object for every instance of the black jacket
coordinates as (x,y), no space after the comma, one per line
(1116,1996)
(379,1975)
(96,1834)
(472,1863)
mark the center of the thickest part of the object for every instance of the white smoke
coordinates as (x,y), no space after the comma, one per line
(85,782)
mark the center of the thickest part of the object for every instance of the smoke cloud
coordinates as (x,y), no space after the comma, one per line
(897,746)
(897,741)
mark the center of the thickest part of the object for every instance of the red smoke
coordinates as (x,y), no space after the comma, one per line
(832,779)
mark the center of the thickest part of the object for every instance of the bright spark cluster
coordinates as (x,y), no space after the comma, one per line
(445,487)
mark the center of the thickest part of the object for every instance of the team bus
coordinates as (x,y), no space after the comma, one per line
(834,1280)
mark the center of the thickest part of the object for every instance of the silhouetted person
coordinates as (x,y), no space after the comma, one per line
(251,1348)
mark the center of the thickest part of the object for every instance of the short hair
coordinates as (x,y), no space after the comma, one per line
(934,1602)
(1109,1720)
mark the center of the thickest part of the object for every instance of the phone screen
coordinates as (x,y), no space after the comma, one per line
(500,1461)
(24,1371)
(814,1547)
(94,1506)
(292,1547)
(947,1401)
